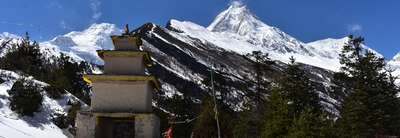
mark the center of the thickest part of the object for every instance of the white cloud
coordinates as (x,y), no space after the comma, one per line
(63,24)
(55,4)
(354,28)
(17,24)
(95,7)
(236,2)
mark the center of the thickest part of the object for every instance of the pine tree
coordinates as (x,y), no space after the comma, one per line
(59,83)
(392,106)
(24,57)
(294,106)
(205,125)
(261,64)
(72,73)
(25,97)
(311,125)
(247,125)
(353,121)
(278,120)
(371,107)
(298,89)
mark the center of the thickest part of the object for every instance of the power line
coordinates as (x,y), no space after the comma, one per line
(214,99)
(184,122)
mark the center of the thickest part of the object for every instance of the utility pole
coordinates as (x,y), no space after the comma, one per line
(214,98)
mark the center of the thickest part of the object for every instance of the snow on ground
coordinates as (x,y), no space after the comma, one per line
(170,90)
(38,126)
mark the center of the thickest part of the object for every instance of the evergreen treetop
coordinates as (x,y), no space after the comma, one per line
(371,107)
(297,87)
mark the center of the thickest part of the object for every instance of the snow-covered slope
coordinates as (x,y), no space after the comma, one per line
(83,45)
(40,125)
(5,40)
(395,65)
(331,48)
(7,35)
(236,29)
(238,22)
(184,59)
(395,62)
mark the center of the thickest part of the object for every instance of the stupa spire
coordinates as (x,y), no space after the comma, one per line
(121,104)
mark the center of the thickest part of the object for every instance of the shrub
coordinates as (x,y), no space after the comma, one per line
(54,92)
(65,120)
(25,57)
(25,97)
(60,120)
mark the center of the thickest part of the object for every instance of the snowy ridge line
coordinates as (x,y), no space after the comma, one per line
(200,60)
(195,77)
(173,71)
(166,41)
(173,63)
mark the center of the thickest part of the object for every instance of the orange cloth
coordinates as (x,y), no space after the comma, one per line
(168,133)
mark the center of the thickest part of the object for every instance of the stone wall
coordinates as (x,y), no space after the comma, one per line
(146,125)
(124,65)
(123,96)
(85,123)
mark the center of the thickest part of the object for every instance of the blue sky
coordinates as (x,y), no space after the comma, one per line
(307,20)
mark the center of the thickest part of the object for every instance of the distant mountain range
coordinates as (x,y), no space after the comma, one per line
(235,29)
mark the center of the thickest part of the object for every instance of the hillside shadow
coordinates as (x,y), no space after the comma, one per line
(39,120)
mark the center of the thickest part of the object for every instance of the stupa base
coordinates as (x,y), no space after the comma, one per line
(107,125)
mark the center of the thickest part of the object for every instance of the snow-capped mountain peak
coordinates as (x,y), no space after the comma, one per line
(238,22)
(7,35)
(397,57)
(236,19)
(94,35)
(329,47)
(394,64)
(82,45)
